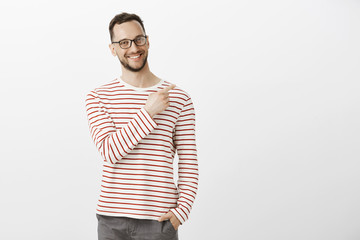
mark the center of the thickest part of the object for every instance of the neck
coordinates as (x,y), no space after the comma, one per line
(142,79)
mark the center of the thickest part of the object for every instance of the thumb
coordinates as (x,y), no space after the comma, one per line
(164,217)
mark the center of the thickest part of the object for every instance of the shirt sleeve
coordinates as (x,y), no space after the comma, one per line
(185,143)
(112,143)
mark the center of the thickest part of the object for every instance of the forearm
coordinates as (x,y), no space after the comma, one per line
(119,143)
(187,184)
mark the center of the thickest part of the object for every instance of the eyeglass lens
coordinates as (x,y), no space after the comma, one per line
(139,41)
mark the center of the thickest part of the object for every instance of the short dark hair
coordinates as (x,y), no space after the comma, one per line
(121,18)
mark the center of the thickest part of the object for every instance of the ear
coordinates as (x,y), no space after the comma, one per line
(147,41)
(112,49)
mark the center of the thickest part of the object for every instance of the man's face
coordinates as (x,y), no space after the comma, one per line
(135,57)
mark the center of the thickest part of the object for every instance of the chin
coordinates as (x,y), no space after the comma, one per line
(133,69)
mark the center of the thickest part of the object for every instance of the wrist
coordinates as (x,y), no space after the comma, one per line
(149,112)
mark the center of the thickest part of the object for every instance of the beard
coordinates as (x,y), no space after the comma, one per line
(130,68)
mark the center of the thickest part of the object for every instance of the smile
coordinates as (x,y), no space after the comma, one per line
(135,57)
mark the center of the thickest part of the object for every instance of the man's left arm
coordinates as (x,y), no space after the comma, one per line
(185,143)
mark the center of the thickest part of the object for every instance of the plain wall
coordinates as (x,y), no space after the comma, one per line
(275,85)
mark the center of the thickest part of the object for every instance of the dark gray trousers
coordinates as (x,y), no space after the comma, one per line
(123,228)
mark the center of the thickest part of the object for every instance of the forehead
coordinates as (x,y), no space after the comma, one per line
(127,30)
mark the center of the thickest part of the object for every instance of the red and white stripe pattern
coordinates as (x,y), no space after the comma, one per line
(138,151)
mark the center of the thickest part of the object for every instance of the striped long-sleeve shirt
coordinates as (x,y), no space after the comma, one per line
(138,151)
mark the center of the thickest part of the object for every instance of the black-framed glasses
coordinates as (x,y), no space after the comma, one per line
(126,43)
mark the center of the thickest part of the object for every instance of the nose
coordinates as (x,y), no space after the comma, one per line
(133,47)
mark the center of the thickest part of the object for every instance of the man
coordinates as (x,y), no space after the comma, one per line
(138,122)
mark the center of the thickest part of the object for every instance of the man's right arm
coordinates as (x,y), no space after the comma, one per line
(113,144)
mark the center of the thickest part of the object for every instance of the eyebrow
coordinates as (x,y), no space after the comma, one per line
(140,35)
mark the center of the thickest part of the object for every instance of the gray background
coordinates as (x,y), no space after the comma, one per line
(276,89)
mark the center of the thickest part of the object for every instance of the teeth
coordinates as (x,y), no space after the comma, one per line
(135,56)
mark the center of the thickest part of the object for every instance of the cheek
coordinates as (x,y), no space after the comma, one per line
(121,53)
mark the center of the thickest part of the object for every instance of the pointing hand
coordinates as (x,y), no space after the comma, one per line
(158,101)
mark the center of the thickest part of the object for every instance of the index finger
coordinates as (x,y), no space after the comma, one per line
(168,88)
